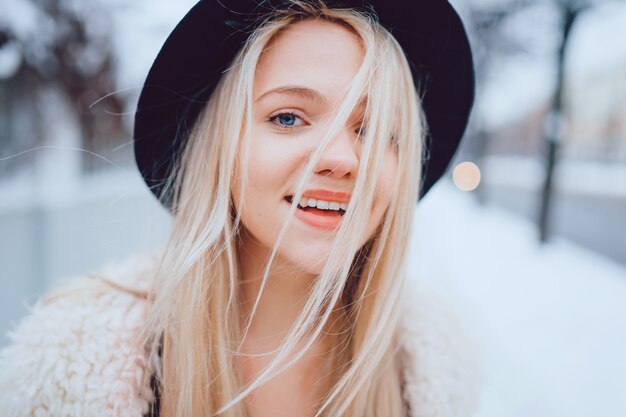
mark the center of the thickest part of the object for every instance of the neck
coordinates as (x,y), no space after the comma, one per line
(285,293)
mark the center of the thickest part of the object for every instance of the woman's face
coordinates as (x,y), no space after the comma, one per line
(298,84)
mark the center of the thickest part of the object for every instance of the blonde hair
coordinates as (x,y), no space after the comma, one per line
(194,312)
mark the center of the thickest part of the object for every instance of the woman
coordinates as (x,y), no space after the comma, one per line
(287,140)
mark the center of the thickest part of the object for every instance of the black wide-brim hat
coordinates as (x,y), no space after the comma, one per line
(206,40)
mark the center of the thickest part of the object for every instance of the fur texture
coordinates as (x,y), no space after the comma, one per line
(76,353)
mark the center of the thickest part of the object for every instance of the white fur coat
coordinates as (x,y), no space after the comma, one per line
(75,354)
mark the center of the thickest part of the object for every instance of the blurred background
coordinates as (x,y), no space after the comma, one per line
(526,235)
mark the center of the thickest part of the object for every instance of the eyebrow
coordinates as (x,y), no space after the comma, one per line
(303,92)
(296,90)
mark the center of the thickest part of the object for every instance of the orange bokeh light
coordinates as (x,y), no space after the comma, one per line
(466,176)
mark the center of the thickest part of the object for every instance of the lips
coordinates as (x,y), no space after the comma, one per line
(326,220)
(328,195)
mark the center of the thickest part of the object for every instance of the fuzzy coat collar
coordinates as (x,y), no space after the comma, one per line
(74,354)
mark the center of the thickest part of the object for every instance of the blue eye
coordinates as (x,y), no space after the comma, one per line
(285,120)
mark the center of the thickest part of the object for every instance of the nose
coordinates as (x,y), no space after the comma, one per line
(340,158)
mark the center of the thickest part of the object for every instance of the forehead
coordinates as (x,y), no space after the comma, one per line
(317,55)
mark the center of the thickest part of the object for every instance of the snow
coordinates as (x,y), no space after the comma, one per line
(551,319)
(20,17)
(522,83)
(24,188)
(602,25)
(571,176)
(10,60)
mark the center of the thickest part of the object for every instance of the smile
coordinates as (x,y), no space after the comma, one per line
(320,207)
(320,218)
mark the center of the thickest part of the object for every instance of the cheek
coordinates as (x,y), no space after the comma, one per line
(270,159)
(251,206)
(272,167)
(384,189)
(257,187)
(263,171)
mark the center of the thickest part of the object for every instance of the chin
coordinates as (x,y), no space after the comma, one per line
(313,266)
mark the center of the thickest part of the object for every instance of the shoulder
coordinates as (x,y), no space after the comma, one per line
(442,360)
(77,352)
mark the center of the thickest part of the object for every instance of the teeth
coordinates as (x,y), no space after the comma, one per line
(322,205)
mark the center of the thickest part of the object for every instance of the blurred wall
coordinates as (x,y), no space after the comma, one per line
(109,216)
